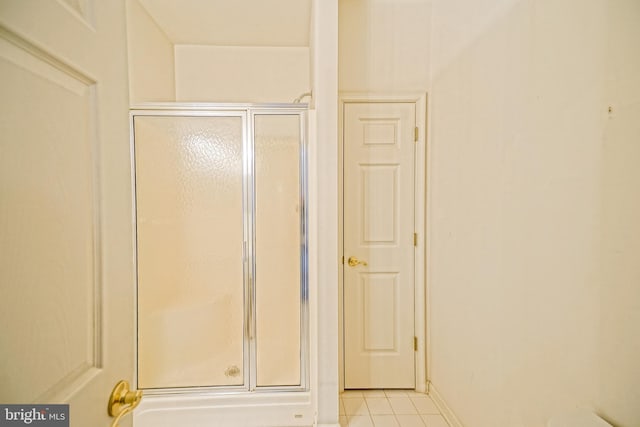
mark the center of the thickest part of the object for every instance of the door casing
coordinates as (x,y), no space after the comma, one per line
(420,197)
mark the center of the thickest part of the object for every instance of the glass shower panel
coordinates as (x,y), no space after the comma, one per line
(189,196)
(278,241)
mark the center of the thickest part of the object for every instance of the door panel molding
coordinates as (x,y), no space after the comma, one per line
(65,140)
(54,93)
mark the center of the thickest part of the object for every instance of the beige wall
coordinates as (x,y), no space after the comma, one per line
(384,45)
(241,74)
(534,207)
(162,71)
(323,208)
(151,62)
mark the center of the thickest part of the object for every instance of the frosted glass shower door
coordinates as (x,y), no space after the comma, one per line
(279,250)
(221,248)
(190,233)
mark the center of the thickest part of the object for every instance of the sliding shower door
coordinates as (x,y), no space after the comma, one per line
(221,248)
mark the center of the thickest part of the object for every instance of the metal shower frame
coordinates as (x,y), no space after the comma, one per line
(248,113)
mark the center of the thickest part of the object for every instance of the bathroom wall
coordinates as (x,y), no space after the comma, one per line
(384,45)
(163,70)
(151,58)
(323,208)
(533,208)
(241,73)
(618,340)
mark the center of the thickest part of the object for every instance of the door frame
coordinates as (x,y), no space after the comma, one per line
(420,197)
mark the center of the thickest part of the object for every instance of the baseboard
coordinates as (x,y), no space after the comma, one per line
(446,412)
(328,425)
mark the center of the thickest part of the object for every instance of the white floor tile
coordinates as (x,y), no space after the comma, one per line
(360,421)
(385,421)
(379,406)
(351,393)
(396,393)
(410,420)
(373,393)
(402,405)
(413,393)
(425,405)
(388,408)
(355,406)
(434,421)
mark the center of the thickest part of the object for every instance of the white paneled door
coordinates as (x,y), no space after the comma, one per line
(66,247)
(379,156)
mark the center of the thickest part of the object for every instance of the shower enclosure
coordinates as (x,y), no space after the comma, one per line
(222,302)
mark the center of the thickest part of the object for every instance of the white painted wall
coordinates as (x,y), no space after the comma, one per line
(233,23)
(241,74)
(323,211)
(151,59)
(384,45)
(534,207)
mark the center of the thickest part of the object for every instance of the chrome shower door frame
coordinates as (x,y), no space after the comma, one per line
(248,113)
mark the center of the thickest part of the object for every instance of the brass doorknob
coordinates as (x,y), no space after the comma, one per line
(122,401)
(353,261)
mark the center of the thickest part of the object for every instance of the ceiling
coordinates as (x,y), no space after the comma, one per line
(233,22)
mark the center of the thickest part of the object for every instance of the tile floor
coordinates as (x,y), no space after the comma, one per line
(388,408)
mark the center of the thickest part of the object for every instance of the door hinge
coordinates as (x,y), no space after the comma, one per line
(416,134)
(415,343)
(415,239)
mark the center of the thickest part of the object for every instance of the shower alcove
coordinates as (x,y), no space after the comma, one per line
(246,351)
(221,244)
